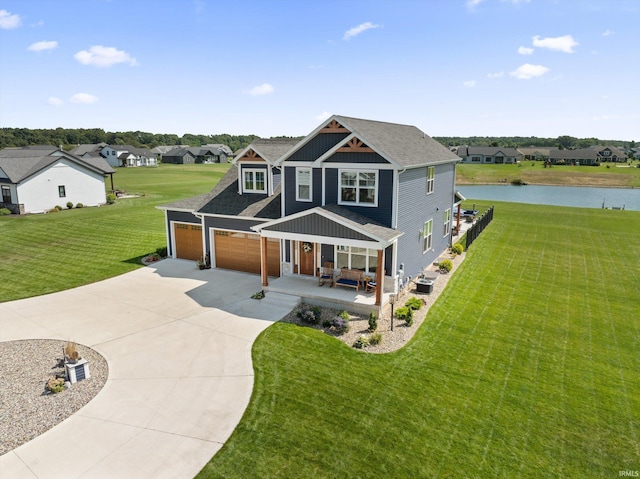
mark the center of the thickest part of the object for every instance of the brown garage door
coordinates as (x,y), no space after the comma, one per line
(188,241)
(241,252)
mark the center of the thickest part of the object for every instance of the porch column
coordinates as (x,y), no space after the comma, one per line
(379,277)
(263,261)
(458,218)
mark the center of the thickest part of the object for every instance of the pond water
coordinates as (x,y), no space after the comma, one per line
(580,196)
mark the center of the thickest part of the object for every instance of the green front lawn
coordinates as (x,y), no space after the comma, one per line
(526,366)
(47,253)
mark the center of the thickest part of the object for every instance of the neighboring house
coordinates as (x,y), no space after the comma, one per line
(197,154)
(36,181)
(365,195)
(180,156)
(610,153)
(97,150)
(534,153)
(488,154)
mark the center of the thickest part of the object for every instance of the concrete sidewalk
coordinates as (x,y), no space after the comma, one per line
(178,344)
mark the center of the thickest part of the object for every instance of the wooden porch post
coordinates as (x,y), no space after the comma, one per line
(379,277)
(458,218)
(263,261)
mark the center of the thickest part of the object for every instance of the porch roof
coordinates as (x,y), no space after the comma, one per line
(331,224)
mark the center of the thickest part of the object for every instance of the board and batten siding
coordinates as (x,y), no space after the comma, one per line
(291,205)
(317,146)
(382,213)
(415,207)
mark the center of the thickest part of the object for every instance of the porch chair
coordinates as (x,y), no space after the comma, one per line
(326,274)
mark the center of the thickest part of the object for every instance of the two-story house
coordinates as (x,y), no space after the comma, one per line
(361,194)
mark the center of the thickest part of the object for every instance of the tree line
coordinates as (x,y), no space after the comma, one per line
(69,138)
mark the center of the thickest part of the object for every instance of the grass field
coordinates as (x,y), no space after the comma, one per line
(526,366)
(46,253)
(535,173)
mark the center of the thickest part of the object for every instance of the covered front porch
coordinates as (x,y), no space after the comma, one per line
(308,289)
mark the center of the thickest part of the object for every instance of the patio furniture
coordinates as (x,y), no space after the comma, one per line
(349,278)
(370,286)
(326,274)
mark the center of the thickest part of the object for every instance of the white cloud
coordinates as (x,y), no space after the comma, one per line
(608,32)
(359,29)
(561,44)
(473,3)
(84,98)
(8,21)
(39,23)
(54,101)
(515,2)
(104,56)
(43,45)
(525,51)
(469,83)
(528,71)
(495,75)
(323,116)
(264,89)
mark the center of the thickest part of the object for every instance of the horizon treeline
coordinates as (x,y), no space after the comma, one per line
(69,138)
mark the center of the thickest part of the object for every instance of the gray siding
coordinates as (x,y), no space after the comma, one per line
(291,205)
(415,207)
(382,214)
(277,178)
(182,217)
(317,147)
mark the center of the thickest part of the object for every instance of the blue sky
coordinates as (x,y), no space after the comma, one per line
(279,67)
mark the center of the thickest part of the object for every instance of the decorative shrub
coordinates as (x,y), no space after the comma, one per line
(54,210)
(71,351)
(258,295)
(344,315)
(69,205)
(79,205)
(373,321)
(326,323)
(361,343)
(111,198)
(404,313)
(457,248)
(375,338)
(414,303)
(59,208)
(310,315)
(446,265)
(5,211)
(409,320)
(55,385)
(162,251)
(340,325)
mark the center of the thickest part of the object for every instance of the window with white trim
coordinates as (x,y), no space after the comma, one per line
(303,184)
(431,178)
(447,222)
(254,181)
(358,187)
(427,236)
(352,257)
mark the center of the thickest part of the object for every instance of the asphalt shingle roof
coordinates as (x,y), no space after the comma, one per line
(19,166)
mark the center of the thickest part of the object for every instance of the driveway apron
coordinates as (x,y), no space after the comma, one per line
(177,341)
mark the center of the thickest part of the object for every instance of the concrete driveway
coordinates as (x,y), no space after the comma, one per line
(178,344)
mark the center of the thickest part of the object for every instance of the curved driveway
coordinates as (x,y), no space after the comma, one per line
(178,344)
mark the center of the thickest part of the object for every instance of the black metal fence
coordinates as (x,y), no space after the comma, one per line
(480,224)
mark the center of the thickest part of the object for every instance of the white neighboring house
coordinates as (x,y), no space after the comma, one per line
(36,181)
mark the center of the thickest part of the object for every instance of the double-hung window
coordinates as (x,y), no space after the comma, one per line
(431,177)
(358,187)
(447,222)
(351,257)
(427,236)
(255,181)
(303,184)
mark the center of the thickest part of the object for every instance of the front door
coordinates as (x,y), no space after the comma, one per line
(307,253)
